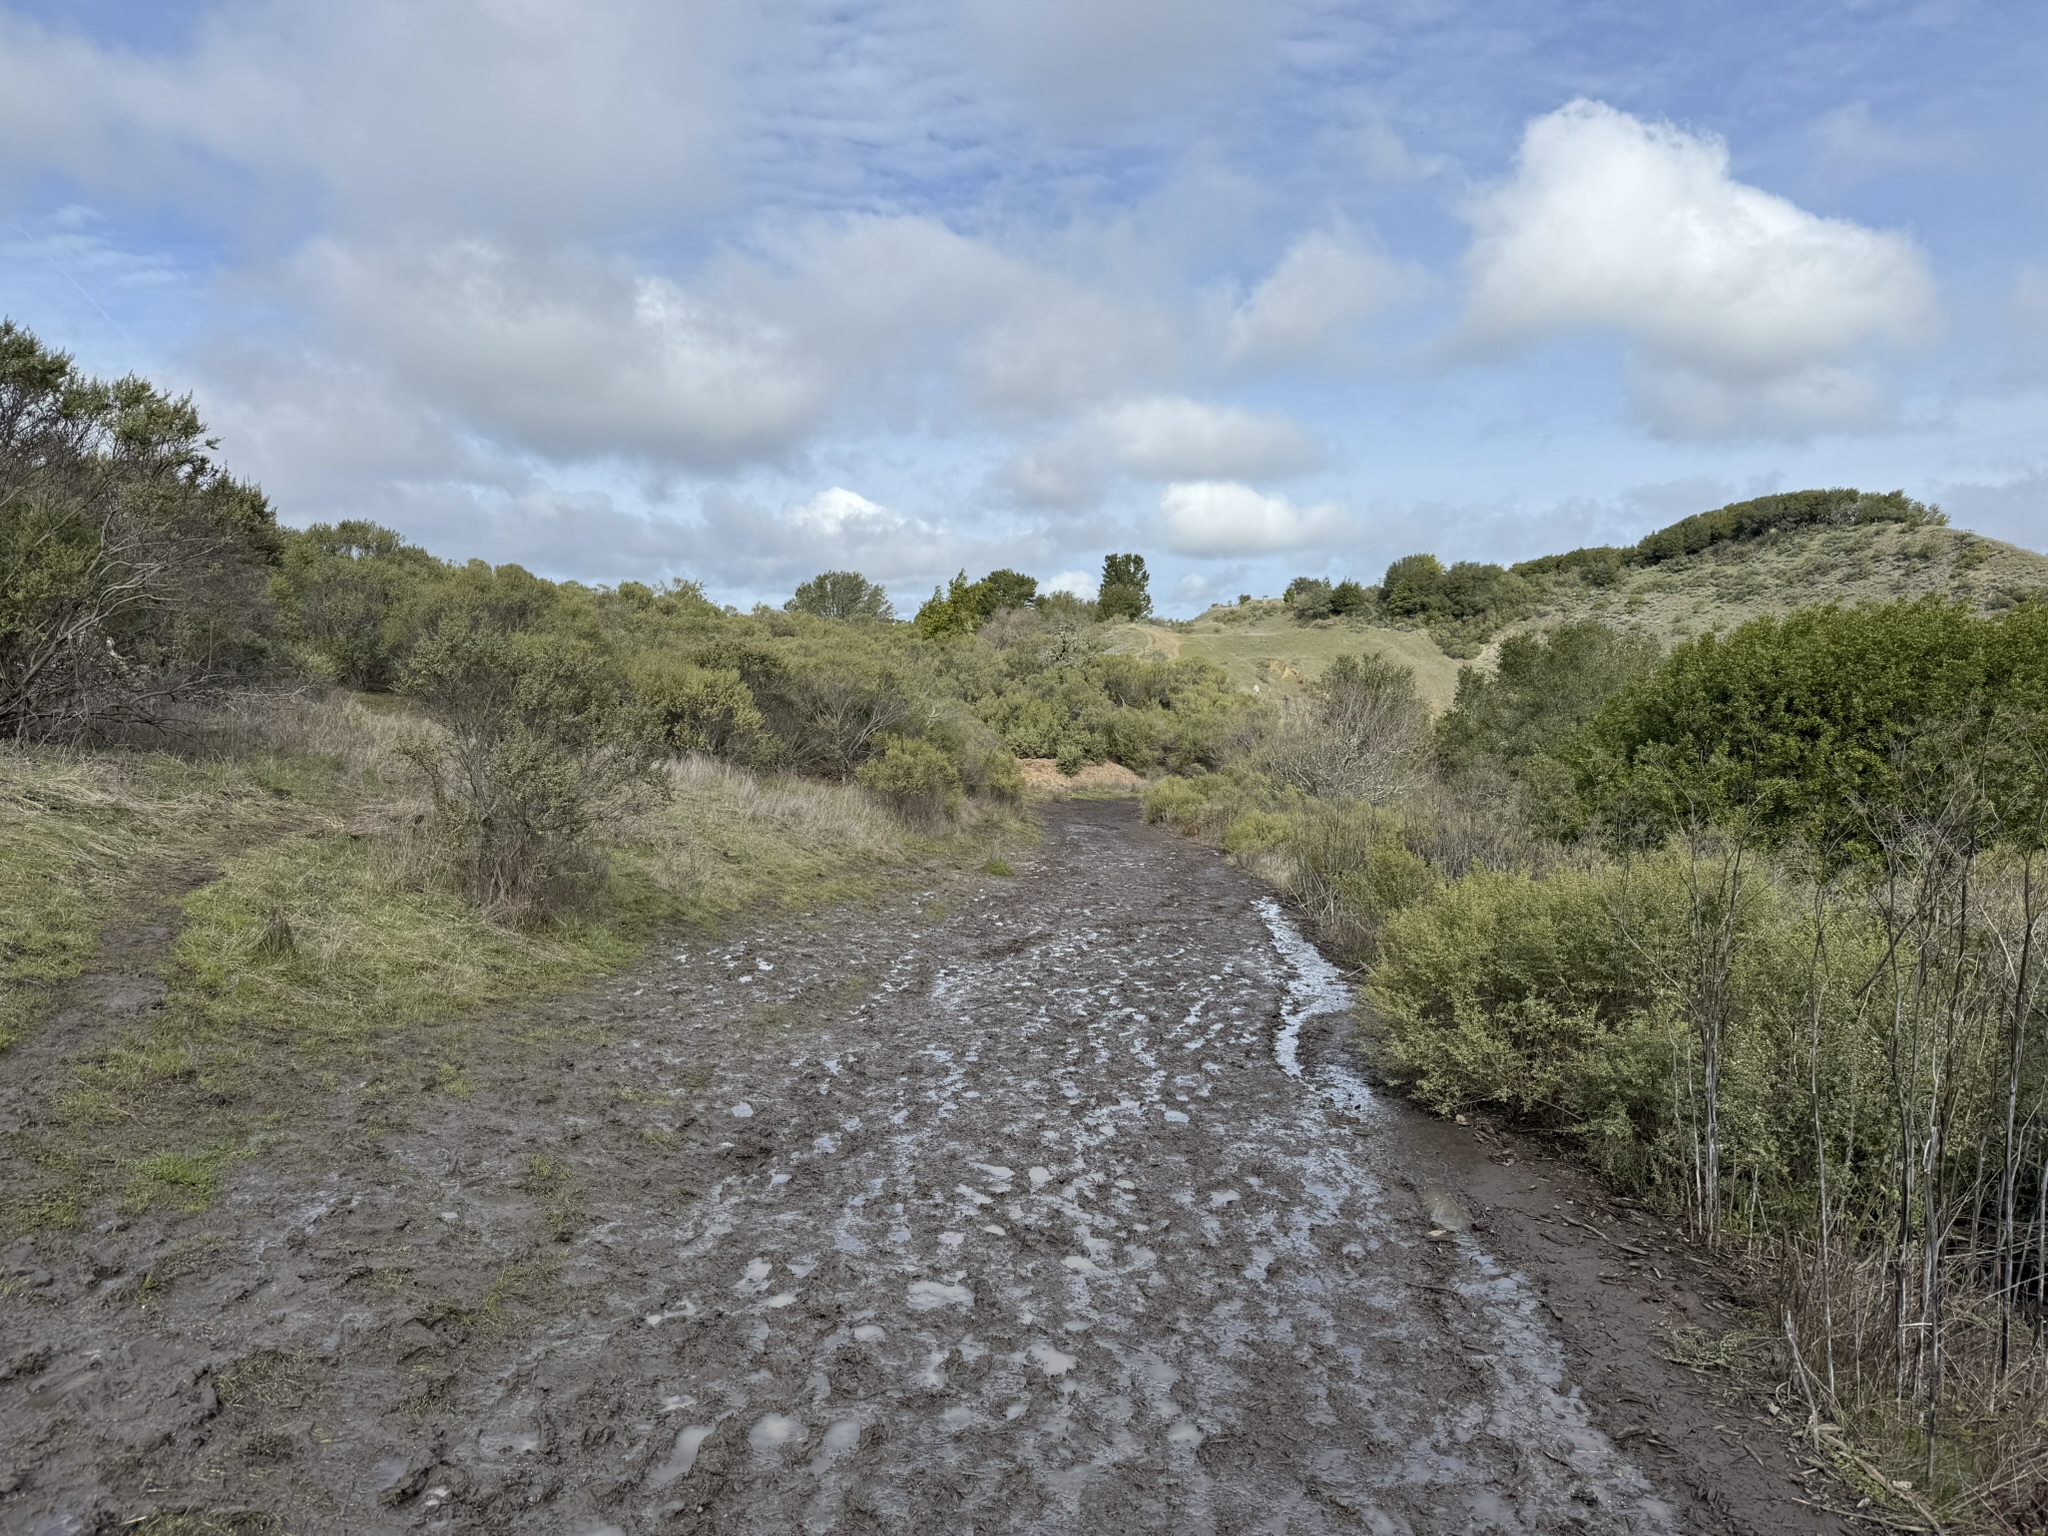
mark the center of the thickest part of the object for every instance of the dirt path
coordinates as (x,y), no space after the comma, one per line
(1048,1205)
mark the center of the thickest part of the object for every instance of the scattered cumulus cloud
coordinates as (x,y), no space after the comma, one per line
(1171,438)
(1221,518)
(1746,312)
(1064,473)
(1311,309)
(1387,157)
(837,529)
(616,288)
(836,512)
(1082,584)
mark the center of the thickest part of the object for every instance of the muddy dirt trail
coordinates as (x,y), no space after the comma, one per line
(1045,1204)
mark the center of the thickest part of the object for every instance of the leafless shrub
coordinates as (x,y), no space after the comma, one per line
(833,718)
(1361,734)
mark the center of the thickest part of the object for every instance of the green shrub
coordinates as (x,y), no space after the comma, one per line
(1173,802)
(1462,605)
(998,777)
(1309,598)
(1803,726)
(133,568)
(703,709)
(351,596)
(1494,987)
(1516,721)
(833,714)
(916,778)
(538,742)
(1255,832)
(1350,871)
(1362,734)
(1839,508)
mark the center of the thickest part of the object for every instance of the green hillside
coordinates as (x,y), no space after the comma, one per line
(1263,648)
(1666,587)
(1724,585)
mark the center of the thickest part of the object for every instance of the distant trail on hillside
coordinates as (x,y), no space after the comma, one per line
(1038,1205)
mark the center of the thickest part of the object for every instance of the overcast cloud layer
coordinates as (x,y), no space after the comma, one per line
(633,289)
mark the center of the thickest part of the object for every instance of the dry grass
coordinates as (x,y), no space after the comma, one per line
(362,733)
(1985,1467)
(1042,776)
(1729,584)
(725,840)
(323,943)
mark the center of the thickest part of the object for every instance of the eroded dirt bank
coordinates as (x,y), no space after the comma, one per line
(1043,1205)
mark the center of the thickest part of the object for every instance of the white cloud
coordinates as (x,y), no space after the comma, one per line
(1175,438)
(1210,518)
(1745,309)
(1312,307)
(867,321)
(1080,583)
(448,116)
(1066,472)
(838,325)
(838,512)
(569,356)
(837,529)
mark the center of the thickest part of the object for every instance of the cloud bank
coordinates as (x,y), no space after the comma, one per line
(1746,313)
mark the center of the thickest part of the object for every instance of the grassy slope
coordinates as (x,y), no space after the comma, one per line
(1261,647)
(308,950)
(1730,583)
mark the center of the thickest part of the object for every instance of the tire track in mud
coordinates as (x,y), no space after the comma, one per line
(1016,1209)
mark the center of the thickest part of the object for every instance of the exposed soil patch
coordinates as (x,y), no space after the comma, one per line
(1050,1205)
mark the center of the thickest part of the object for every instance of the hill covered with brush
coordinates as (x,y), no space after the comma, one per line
(1703,574)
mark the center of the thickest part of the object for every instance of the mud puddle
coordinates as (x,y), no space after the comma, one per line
(1047,1205)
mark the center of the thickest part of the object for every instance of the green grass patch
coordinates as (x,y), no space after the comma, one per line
(85,839)
(327,956)
(1272,652)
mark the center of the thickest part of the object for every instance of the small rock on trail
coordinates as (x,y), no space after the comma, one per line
(1030,1209)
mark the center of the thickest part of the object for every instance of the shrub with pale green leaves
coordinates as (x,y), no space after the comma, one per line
(539,740)
(916,778)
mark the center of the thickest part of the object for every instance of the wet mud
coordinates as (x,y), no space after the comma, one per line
(1047,1204)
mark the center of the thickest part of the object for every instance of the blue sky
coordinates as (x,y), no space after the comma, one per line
(633,288)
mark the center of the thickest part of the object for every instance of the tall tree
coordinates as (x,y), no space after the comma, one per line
(1126,591)
(841,595)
